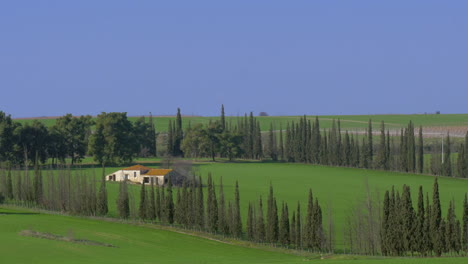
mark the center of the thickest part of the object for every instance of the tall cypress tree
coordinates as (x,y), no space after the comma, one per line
(272,218)
(420,166)
(408,218)
(123,202)
(9,185)
(159,205)
(102,208)
(142,209)
(260,223)
(169,202)
(298,227)
(223,119)
(222,223)
(199,207)
(250,223)
(461,164)
(237,222)
(436,216)
(211,206)
(447,165)
(381,161)
(292,229)
(281,144)
(419,234)
(151,204)
(465,223)
(370,144)
(284,234)
(309,228)
(385,225)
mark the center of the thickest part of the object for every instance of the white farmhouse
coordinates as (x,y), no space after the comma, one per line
(140,174)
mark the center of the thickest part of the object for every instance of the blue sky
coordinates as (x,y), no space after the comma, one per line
(281,57)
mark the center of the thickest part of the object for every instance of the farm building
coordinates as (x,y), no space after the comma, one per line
(140,174)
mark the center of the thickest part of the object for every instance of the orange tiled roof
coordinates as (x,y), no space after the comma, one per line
(137,167)
(157,172)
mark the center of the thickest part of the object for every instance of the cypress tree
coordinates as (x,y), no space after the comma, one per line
(9,185)
(102,208)
(179,209)
(420,166)
(309,228)
(298,227)
(260,224)
(411,145)
(272,219)
(381,161)
(169,203)
(158,202)
(427,242)
(211,206)
(250,223)
(142,209)
(284,225)
(223,119)
(170,140)
(385,224)
(461,164)
(237,222)
(465,223)
(408,219)
(436,220)
(447,165)
(222,223)
(123,202)
(200,208)
(419,234)
(152,204)
(281,145)
(292,228)
(370,146)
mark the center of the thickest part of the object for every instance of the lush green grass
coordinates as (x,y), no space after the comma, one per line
(337,188)
(141,244)
(134,244)
(348,122)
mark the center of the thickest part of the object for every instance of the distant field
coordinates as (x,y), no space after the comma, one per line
(142,244)
(348,122)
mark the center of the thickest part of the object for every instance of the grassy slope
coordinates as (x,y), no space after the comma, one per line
(137,244)
(339,187)
(348,122)
(134,244)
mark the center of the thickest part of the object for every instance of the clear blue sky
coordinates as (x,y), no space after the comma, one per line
(282,57)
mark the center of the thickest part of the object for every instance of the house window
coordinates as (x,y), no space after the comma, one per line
(134,174)
(146,180)
(126,177)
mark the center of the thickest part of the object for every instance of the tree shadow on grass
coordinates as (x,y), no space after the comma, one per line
(17,213)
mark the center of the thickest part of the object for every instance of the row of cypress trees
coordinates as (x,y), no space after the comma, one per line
(407,231)
(305,142)
(216,215)
(61,190)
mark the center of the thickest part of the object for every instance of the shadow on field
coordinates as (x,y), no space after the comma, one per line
(17,213)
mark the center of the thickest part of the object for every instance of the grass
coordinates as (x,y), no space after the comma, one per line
(337,188)
(143,244)
(348,122)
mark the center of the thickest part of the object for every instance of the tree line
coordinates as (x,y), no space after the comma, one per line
(112,139)
(393,227)
(193,206)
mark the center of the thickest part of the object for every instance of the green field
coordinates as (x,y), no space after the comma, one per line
(337,188)
(348,122)
(142,244)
